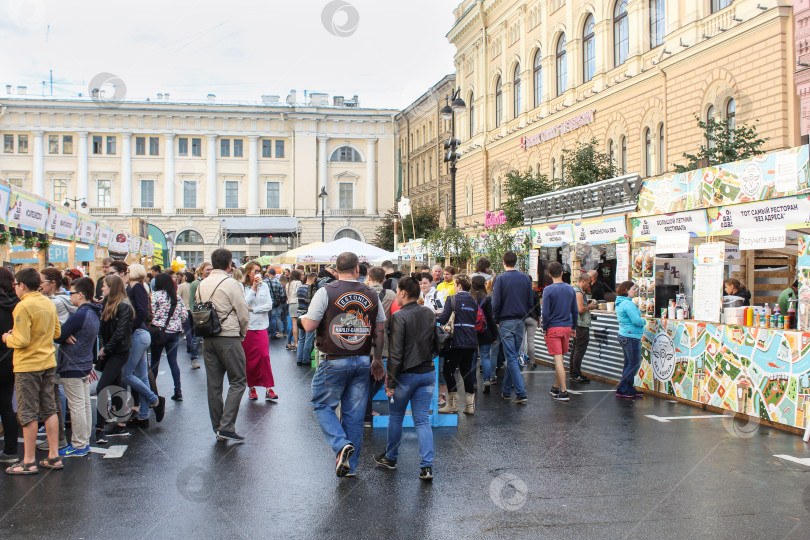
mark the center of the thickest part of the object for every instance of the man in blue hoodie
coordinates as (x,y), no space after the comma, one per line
(560,314)
(77,342)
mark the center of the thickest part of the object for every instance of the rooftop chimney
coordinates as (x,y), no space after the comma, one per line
(22,90)
(211,98)
(8,89)
(292,99)
(318,99)
(160,96)
(166,96)
(337,101)
(270,99)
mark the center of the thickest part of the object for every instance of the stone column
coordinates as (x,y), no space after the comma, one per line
(81,169)
(126,173)
(39,163)
(322,157)
(253,174)
(371,176)
(169,188)
(211,176)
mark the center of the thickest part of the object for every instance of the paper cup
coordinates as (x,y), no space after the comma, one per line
(611,306)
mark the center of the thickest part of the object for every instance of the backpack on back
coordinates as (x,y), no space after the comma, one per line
(480,318)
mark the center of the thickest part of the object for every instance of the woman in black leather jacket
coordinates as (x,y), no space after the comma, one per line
(117,318)
(463,347)
(8,301)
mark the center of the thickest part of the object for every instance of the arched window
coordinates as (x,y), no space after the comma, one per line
(516,93)
(710,120)
(537,75)
(562,68)
(588,50)
(498,102)
(347,233)
(657,22)
(648,153)
(471,103)
(662,158)
(731,114)
(347,153)
(623,160)
(189,237)
(717,5)
(621,33)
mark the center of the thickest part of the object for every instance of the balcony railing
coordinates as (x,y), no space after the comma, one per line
(347,212)
(103,211)
(274,212)
(189,211)
(146,211)
(231,212)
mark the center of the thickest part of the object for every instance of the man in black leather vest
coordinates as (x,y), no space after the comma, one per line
(348,322)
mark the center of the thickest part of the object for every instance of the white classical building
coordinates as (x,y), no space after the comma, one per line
(198,168)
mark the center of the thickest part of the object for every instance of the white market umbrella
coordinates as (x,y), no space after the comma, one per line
(328,253)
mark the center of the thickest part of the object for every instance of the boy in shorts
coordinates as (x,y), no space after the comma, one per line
(560,315)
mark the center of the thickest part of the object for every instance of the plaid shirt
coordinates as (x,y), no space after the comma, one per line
(277,290)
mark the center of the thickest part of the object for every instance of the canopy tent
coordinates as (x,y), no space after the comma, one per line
(328,253)
(289,256)
(259,226)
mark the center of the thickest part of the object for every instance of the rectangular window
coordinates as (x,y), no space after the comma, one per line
(110,145)
(53,144)
(238,255)
(279,149)
(225,148)
(231,194)
(346,192)
(16,182)
(196,147)
(104,193)
(97,142)
(154,146)
(189,194)
(67,144)
(59,190)
(140,146)
(237,148)
(147,193)
(192,258)
(182,146)
(22,144)
(8,144)
(267,148)
(273,194)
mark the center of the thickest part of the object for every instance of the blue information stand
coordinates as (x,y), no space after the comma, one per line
(436,419)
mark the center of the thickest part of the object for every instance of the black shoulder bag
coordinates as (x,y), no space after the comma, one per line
(158,333)
(205,316)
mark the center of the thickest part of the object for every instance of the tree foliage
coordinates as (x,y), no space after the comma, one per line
(586,165)
(500,239)
(723,144)
(451,243)
(518,186)
(425,220)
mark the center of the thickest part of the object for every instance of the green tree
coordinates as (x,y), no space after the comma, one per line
(518,186)
(587,165)
(450,243)
(425,220)
(723,144)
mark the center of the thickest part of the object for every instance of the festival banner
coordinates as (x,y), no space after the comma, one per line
(5,195)
(27,213)
(161,254)
(788,212)
(602,231)
(61,222)
(104,236)
(86,232)
(134,243)
(553,235)
(692,223)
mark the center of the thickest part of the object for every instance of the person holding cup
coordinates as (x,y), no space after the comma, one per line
(631,329)
(256,344)
(580,342)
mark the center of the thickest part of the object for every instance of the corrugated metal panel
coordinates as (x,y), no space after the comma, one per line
(604,356)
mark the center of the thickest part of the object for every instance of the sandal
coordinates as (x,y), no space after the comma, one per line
(24,468)
(51,463)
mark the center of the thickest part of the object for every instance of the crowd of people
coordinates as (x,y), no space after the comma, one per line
(374,328)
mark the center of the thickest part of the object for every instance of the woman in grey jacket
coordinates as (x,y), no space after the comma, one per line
(410,376)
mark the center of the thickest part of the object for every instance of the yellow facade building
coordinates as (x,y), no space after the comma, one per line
(540,76)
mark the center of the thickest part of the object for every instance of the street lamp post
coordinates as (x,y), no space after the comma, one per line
(322,196)
(75,201)
(448,112)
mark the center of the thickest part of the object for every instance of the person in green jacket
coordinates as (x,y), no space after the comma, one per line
(786,295)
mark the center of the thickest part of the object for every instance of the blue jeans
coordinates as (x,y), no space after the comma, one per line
(511,332)
(631,347)
(344,382)
(483,352)
(306,341)
(188,328)
(418,389)
(172,342)
(134,373)
(276,324)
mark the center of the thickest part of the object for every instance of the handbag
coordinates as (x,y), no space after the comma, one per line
(158,333)
(205,316)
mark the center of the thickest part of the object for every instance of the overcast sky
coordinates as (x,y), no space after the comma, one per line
(387,52)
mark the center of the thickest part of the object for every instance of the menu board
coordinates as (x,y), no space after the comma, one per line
(707,294)
(622,256)
(534,256)
(644,278)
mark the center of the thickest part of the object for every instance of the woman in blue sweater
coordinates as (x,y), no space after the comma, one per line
(631,328)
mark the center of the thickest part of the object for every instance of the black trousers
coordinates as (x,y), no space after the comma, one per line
(463,359)
(7,413)
(577,353)
(109,377)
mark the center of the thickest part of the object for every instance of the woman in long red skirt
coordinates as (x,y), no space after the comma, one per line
(256,343)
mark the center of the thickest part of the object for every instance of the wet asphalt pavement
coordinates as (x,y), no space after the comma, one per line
(594,467)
